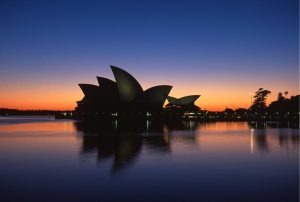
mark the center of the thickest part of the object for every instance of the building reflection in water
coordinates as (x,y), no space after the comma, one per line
(124,140)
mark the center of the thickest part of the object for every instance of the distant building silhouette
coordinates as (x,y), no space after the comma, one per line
(126,96)
(183,104)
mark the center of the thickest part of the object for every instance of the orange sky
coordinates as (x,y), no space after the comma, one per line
(62,94)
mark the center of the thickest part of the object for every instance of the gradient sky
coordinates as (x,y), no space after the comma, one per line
(222,50)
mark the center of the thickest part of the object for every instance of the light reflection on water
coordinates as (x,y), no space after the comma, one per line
(98,161)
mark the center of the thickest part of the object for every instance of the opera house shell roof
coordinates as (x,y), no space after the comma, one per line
(186,100)
(125,94)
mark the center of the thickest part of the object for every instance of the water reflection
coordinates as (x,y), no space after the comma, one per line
(123,149)
(264,125)
(195,159)
(286,138)
(261,140)
(123,141)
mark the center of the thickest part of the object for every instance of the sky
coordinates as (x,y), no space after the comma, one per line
(222,50)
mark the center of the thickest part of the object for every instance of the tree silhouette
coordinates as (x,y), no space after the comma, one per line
(280,97)
(285,105)
(260,98)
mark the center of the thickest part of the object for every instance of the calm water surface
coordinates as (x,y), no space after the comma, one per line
(43,159)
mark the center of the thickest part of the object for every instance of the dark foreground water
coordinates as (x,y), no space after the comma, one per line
(58,160)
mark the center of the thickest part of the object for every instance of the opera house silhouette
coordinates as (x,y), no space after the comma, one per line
(126,96)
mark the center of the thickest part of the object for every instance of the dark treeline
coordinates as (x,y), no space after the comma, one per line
(283,104)
(15,112)
(283,108)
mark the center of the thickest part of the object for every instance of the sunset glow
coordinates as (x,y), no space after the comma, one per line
(221,54)
(62,95)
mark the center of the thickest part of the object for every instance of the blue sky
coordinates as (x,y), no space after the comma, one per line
(247,43)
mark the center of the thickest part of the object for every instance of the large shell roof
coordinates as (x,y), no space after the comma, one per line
(106,83)
(186,100)
(155,94)
(128,87)
(89,89)
(108,88)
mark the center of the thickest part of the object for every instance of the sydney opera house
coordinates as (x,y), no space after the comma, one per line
(126,96)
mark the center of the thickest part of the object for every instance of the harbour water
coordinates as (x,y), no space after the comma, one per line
(43,159)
